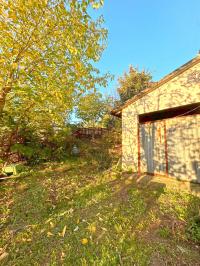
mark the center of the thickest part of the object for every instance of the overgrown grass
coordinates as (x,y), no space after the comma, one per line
(74,214)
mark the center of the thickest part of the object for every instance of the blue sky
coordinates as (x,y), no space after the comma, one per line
(158,35)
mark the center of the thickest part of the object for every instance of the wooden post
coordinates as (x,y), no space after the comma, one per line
(139,156)
(166,151)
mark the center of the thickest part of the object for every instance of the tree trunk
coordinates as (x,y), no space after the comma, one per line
(3,95)
(2,101)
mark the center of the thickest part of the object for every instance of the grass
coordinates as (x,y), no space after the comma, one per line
(74,214)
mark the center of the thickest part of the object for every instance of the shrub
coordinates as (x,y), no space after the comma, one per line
(193,230)
(32,152)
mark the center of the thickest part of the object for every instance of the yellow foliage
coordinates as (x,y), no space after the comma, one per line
(49,234)
(92,228)
(49,45)
(64,231)
(84,241)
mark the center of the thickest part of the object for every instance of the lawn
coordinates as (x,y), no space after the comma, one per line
(72,213)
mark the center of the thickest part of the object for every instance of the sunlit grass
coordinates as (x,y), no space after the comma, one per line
(72,214)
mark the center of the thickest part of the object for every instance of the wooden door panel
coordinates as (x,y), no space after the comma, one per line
(152,147)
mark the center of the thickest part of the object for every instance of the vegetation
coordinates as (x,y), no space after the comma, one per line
(77,214)
(75,210)
(92,108)
(133,82)
(47,55)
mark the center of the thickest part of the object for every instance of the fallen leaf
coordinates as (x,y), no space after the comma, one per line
(49,234)
(3,255)
(92,228)
(63,213)
(76,228)
(51,224)
(84,241)
(128,182)
(62,255)
(64,230)
(47,221)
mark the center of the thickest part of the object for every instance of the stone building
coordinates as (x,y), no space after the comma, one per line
(161,126)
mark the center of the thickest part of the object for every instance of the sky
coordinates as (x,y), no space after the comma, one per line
(158,35)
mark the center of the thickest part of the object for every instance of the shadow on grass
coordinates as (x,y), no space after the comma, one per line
(122,209)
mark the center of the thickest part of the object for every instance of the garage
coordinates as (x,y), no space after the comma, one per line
(170,146)
(161,126)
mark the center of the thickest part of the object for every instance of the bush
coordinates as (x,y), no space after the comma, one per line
(102,151)
(32,152)
(193,230)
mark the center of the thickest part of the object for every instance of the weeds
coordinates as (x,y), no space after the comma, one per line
(193,229)
(164,232)
(73,214)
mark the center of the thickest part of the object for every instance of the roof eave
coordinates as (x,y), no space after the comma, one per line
(117,112)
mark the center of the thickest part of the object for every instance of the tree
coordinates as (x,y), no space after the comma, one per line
(132,83)
(46,52)
(92,108)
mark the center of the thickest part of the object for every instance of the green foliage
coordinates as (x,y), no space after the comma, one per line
(133,82)
(26,151)
(164,232)
(92,108)
(193,229)
(33,153)
(112,122)
(102,151)
(44,146)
